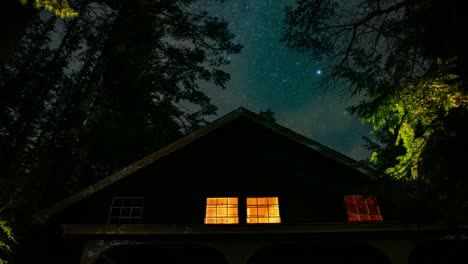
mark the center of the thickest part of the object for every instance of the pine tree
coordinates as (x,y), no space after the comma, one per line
(88,95)
(411,72)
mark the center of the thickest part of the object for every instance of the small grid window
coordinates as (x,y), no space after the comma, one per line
(263,210)
(221,210)
(362,208)
(125,210)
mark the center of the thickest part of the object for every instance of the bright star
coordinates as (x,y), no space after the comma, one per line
(319,72)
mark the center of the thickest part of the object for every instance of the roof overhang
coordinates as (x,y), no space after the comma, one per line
(362,229)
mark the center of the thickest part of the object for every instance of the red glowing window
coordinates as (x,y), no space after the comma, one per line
(362,208)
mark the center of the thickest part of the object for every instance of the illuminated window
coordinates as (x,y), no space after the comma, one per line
(221,210)
(262,210)
(125,210)
(362,208)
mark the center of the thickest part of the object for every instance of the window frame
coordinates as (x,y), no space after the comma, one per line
(362,208)
(226,210)
(270,207)
(127,218)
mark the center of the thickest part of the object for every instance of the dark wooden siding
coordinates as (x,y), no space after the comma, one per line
(239,159)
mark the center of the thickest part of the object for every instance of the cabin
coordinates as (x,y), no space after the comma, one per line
(241,190)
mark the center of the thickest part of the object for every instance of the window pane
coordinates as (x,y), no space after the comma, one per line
(272,200)
(273,211)
(222,220)
(125,212)
(352,209)
(126,203)
(210,212)
(209,220)
(252,220)
(251,201)
(232,211)
(364,217)
(376,217)
(362,207)
(222,201)
(222,211)
(262,201)
(211,201)
(251,211)
(232,200)
(263,212)
(274,220)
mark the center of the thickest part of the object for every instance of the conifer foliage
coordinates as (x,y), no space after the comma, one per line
(411,69)
(87,95)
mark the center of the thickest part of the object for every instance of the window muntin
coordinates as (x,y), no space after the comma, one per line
(263,210)
(362,208)
(221,210)
(125,210)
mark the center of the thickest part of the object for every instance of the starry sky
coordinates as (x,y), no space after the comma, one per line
(268,75)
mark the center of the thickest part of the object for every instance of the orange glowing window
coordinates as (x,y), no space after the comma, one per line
(362,208)
(262,210)
(221,210)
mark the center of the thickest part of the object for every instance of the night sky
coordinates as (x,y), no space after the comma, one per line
(268,75)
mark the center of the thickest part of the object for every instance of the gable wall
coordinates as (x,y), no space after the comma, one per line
(239,159)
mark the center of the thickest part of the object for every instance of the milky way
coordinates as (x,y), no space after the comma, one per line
(268,75)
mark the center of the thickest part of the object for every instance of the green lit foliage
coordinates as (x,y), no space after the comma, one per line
(6,238)
(60,8)
(424,124)
(413,113)
(396,56)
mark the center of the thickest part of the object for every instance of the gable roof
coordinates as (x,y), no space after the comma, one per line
(42,216)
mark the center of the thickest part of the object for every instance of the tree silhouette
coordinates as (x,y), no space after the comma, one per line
(411,69)
(85,96)
(268,115)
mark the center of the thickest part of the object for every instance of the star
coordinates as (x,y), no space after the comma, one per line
(319,72)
